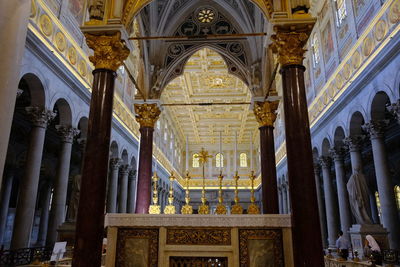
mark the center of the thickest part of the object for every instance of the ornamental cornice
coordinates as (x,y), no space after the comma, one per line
(196,220)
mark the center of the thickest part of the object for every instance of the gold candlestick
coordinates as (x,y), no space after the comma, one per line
(155,208)
(203,208)
(237,208)
(170,208)
(187,209)
(221,209)
(253,208)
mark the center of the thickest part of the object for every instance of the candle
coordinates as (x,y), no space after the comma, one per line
(235,154)
(251,151)
(220,151)
(155,158)
(187,153)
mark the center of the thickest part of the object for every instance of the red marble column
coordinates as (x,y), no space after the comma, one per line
(265,114)
(305,218)
(145,168)
(146,115)
(90,219)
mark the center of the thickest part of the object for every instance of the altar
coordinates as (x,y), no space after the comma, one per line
(142,240)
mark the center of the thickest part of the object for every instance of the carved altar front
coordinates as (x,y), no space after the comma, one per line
(162,240)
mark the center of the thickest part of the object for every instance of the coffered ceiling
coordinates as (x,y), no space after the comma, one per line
(206,80)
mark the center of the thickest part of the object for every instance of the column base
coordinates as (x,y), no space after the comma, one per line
(66,232)
(358,232)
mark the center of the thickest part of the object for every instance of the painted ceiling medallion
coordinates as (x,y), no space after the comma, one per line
(206,15)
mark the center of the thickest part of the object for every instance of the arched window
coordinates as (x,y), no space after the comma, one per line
(397,195)
(378,203)
(315,50)
(341,11)
(195,161)
(158,125)
(243,160)
(219,160)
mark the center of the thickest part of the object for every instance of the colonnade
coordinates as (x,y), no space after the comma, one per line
(338,214)
(283,195)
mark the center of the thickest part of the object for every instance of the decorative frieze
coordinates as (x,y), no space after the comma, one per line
(199,236)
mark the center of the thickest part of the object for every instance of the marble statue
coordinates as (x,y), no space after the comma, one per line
(359,198)
(74,201)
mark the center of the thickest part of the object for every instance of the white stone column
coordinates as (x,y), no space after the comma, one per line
(28,188)
(5,201)
(390,217)
(58,204)
(280,199)
(44,215)
(343,195)
(131,191)
(321,205)
(123,189)
(395,110)
(113,185)
(14,17)
(330,202)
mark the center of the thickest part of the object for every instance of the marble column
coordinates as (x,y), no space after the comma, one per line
(266,115)
(57,214)
(390,217)
(109,53)
(146,115)
(321,206)
(280,199)
(25,210)
(113,185)
(285,198)
(395,110)
(131,191)
(330,202)
(343,195)
(288,42)
(14,16)
(44,215)
(288,207)
(123,189)
(5,201)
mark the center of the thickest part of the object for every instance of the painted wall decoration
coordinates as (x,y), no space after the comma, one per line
(358,6)
(327,41)
(76,9)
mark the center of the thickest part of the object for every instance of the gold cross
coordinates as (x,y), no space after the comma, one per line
(203,156)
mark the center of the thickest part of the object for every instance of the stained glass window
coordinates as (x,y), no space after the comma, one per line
(315,50)
(341,11)
(195,161)
(219,160)
(206,15)
(243,160)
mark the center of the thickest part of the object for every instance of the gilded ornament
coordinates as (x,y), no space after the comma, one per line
(204,209)
(347,71)
(187,208)
(356,60)
(33,9)
(221,209)
(72,55)
(253,208)
(237,208)
(60,41)
(380,30)
(170,208)
(155,208)
(394,13)
(266,112)
(202,236)
(109,50)
(82,68)
(45,25)
(147,114)
(290,47)
(367,46)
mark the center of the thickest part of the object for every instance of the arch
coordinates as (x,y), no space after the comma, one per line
(315,153)
(133,163)
(378,106)
(114,150)
(64,112)
(219,160)
(356,120)
(36,89)
(338,137)
(326,145)
(243,160)
(124,156)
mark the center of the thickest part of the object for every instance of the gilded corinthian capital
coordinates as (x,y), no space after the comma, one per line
(290,47)
(266,112)
(109,50)
(147,114)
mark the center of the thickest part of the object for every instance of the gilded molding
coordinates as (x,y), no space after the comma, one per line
(203,236)
(290,47)
(109,50)
(266,112)
(147,114)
